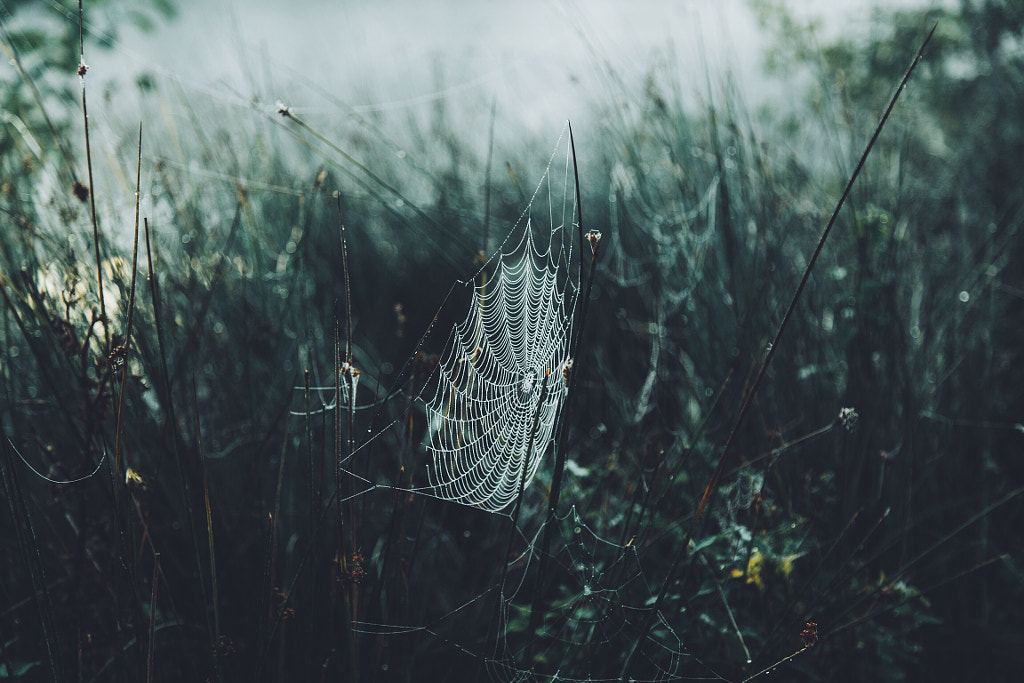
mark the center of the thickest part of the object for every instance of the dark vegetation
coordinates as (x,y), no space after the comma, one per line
(206,535)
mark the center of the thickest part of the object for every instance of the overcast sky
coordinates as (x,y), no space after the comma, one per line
(540,59)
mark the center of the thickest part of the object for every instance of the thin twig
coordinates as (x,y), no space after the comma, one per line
(563,425)
(152,619)
(82,68)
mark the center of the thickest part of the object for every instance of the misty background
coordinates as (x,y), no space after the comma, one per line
(183,499)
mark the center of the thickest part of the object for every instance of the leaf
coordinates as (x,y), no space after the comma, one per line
(17,669)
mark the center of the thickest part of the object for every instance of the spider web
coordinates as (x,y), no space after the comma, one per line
(502,366)
(503,369)
(484,417)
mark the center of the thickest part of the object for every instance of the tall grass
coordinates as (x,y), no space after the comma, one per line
(198,487)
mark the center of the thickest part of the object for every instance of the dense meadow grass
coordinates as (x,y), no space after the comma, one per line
(197,484)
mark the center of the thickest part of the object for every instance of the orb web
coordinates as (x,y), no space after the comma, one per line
(472,412)
(489,388)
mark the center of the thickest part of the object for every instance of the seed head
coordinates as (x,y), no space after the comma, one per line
(809,634)
(847,418)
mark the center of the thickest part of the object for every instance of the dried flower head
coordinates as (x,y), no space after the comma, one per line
(809,634)
(134,479)
(279,599)
(847,418)
(352,571)
(118,357)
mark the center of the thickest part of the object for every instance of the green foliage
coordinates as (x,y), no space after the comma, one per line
(230,533)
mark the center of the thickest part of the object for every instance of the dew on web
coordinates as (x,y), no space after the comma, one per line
(488,387)
(465,450)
